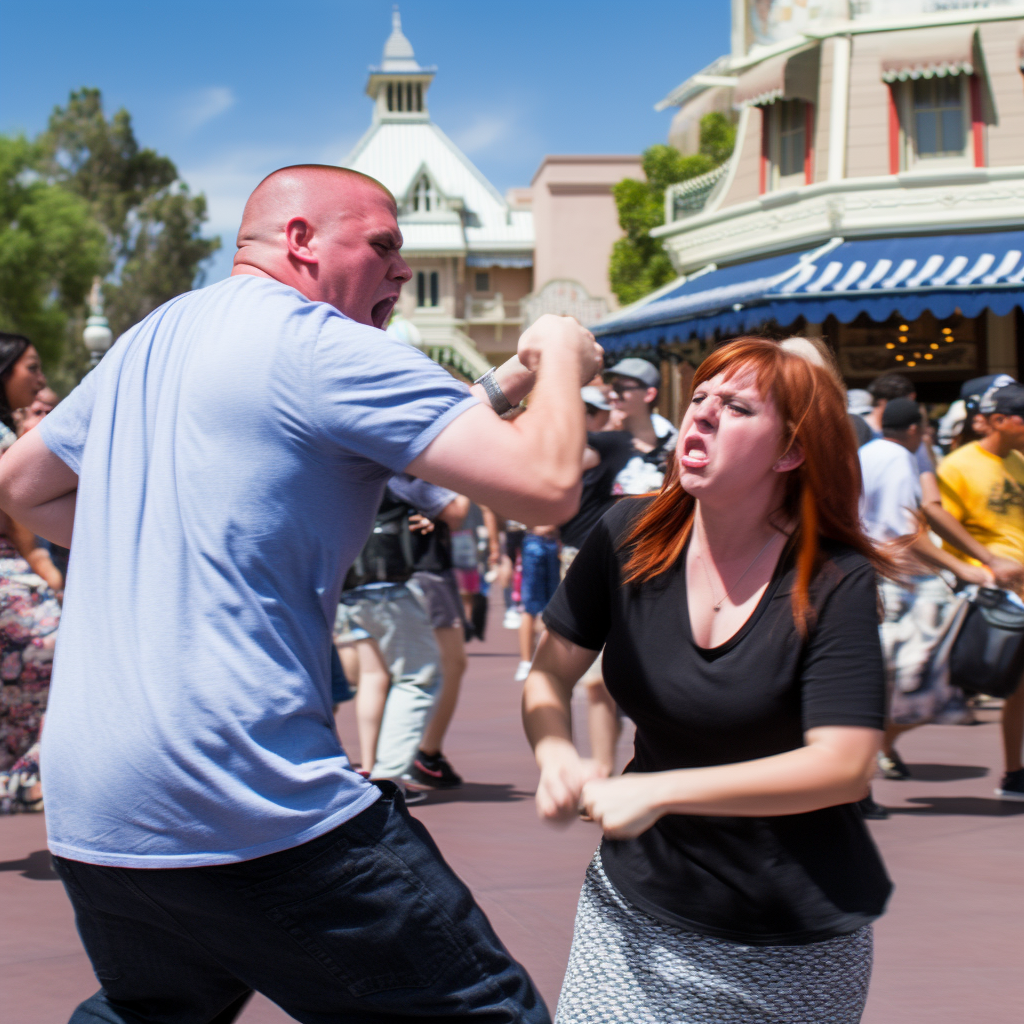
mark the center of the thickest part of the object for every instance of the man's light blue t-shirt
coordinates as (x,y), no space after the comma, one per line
(232,450)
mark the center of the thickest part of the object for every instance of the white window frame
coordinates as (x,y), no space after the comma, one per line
(428,280)
(776,180)
(908,130)
(424,197)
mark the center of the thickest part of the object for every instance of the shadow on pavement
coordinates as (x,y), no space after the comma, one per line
(35,866)
(969,805)
(478,793)
(946,772)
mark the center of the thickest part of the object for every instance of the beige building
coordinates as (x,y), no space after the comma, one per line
(484,265)
(875,195)
(575,225)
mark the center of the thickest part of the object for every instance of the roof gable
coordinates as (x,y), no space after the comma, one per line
(397,153)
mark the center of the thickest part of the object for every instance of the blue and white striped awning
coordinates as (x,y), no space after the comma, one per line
(942,274)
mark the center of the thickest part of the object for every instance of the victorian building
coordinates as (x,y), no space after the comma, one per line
(484,265)
(875,196)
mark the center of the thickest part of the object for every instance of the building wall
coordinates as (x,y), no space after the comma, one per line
(498,341)
(575,220)
(446,283)
(999,45)
(746,181)
(867,139)
(822,122)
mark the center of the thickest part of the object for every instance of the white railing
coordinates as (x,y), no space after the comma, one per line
(496,310)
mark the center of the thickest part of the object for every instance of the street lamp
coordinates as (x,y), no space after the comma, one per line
(97,334)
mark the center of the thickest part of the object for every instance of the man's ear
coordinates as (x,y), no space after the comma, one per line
(650,395)
(298,233)
(790,459)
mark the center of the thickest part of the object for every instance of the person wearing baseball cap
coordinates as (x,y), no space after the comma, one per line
(598,409)
(635,383)
(982,485)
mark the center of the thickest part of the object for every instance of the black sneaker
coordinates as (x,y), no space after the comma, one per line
(872,811)
(1012,786)
(892,766)
(433,772)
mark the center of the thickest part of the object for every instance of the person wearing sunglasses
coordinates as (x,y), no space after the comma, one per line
(634,390)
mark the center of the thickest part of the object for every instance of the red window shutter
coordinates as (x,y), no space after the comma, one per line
(894,132)
(762,178)
(977,124)
(809,144)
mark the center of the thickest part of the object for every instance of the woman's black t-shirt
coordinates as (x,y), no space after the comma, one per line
(782,880)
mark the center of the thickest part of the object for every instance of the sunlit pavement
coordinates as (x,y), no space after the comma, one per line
(948,951)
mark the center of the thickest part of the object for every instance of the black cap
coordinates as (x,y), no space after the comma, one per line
(975,391)
(1009,401)
(900,413)
(977,386)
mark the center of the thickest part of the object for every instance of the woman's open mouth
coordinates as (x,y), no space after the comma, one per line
(693,453)
(381,312)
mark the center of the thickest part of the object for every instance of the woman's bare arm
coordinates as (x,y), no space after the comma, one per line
(833,767)
(547,718)
(38,489)
(38,558)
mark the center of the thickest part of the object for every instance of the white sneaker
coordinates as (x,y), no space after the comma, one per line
(523,671)
(512,619)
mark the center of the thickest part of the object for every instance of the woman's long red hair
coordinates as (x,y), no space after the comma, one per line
(821,496)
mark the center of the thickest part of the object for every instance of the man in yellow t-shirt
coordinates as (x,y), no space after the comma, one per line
(982,486)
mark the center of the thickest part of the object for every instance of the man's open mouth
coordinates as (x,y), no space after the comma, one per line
(381,312)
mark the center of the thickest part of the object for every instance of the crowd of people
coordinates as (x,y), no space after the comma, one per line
(957,509)
(252,550)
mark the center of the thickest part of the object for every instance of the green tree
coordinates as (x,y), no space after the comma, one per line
(50,249)
(153,224)
(639,264)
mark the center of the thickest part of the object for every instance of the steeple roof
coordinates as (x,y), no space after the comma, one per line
(398,51)
(410,154)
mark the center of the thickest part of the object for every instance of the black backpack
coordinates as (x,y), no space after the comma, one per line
(387,555)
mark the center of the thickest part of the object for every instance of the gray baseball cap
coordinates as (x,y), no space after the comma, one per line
(859,401)
(595,396)
(639,369)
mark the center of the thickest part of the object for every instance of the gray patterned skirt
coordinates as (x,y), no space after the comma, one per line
(626,967)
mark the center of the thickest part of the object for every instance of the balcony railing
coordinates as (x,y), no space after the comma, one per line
(496,310)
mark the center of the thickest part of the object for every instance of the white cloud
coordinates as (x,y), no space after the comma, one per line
(483,133)
(203,105)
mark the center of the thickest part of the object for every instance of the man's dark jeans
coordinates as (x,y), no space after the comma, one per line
(365,924)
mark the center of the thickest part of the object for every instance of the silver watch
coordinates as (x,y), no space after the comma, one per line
(499,403)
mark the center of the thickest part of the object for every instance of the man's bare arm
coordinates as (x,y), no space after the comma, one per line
(1007,573)
(38,489)
(528,469)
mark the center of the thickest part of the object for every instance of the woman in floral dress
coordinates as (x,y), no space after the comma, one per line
(29,609)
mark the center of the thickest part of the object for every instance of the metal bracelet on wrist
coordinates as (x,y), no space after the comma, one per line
(499,403)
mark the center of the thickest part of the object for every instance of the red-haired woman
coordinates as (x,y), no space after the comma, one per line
(738,613)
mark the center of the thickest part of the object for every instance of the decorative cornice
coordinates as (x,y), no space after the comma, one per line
(968,200)
(727,66)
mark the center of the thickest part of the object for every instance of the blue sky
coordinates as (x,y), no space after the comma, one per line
(230,90)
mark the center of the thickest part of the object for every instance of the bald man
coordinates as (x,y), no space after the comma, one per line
(221,468)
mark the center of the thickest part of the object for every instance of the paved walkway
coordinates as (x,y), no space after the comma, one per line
(948,951)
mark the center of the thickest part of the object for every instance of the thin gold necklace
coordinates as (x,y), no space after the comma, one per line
(725,597)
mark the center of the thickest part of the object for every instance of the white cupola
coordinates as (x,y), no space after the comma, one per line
(399,86)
